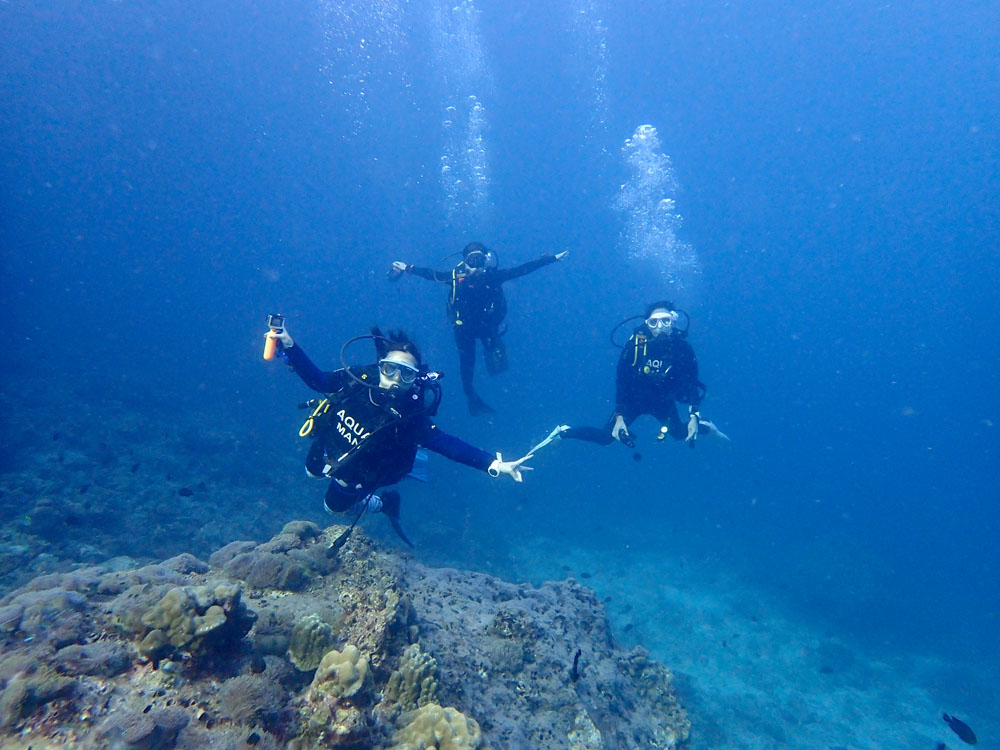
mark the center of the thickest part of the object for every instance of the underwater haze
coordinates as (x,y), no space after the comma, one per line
(815,183)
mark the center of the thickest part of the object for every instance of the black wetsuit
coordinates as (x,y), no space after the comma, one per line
(370,436)
(654,373)
(477,307)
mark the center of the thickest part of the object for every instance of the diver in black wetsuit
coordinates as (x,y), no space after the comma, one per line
(657,368)
(367,430)
(477,307)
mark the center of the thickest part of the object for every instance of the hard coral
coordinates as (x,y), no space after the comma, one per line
(221,557)
(304,530)
(432,726)
(311,638)
(54,615)
(28,690)
(103,658)
(335,713)
(263,569)
(414,684)
(197,619)
(341,674)
(152,730)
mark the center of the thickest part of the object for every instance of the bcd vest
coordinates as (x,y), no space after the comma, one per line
(363,443)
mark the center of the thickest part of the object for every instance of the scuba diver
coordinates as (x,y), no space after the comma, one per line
(477,307)
(656,369)
(367,430)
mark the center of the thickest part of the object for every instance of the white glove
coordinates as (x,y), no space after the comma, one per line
(692,427)
(563,254)
(619,428)
(282,336)
(398,265)
(512,469)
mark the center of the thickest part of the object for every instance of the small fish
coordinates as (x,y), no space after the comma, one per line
(959,727)
(185,492)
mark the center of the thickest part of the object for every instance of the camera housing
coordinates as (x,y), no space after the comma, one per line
(276,322)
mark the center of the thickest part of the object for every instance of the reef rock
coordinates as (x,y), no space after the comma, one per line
(368,649)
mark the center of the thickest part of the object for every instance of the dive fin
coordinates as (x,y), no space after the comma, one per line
(477,406)
(390,508)
(552,436)
(399,531)
(420,471)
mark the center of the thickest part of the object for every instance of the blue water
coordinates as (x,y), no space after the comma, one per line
(170,175)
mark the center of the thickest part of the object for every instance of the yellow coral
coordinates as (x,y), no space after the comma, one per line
(341,674)
(311,638)
(432,727)
(414,684)
(189,617)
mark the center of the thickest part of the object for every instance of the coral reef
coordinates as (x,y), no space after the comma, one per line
(123,474)
(149,730)
(414,683)
(443,728)
(341,674)
(198,620)
(311,638)
(372,650)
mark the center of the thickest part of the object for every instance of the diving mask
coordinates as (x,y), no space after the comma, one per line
(477,260)
(661,320)
(391,369)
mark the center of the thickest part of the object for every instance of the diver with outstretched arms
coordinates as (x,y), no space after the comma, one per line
(657,369)
(372,421)
(476,307)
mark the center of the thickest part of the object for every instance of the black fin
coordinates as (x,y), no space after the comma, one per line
(399,530)
(477,406)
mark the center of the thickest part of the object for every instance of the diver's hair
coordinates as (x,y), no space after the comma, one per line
(394,341)
(474,247)
(662,304)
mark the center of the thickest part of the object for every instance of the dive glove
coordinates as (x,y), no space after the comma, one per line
(619,430)
(693,422)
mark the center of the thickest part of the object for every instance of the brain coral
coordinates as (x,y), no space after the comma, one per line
(433,727)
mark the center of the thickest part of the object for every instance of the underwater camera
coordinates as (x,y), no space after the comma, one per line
(276,322)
